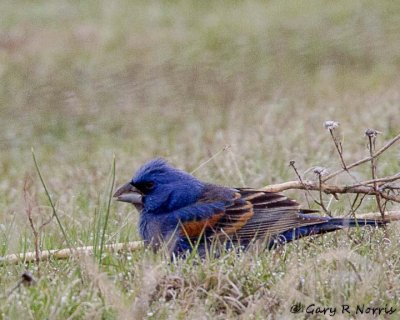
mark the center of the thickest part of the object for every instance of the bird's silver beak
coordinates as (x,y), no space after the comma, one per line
(128,193)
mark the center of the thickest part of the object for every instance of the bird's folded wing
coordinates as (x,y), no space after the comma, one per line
(260,214)
(273,214)
(233,214)
(249,214)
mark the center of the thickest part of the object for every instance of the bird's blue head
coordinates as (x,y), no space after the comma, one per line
(162,188)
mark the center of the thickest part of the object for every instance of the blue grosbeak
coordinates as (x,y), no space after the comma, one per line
(182,211)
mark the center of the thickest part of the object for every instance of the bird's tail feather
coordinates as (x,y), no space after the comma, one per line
(333,224)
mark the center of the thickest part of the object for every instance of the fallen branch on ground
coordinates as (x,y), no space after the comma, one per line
(61,254)
(67,253)
(329,189)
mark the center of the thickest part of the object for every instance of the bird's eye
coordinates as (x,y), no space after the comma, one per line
(145,187)
(149,185)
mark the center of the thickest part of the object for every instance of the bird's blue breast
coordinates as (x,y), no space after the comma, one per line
(171,197)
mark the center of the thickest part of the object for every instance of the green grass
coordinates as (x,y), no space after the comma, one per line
(82,81)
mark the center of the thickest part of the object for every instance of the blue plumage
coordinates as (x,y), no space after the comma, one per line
(180,210)
(172,188)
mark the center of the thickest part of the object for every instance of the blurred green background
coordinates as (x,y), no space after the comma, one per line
(83,80)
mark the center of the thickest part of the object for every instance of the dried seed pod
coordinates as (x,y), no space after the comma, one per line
(331,125)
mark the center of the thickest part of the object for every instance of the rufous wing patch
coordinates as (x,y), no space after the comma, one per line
(196,228)
(235,217)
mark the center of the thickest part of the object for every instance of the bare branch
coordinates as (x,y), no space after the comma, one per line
(328,189)
(357,163)
(67,253)
(379,181)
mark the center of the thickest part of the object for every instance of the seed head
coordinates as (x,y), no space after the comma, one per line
(331,125)
(320,171)
(372,133)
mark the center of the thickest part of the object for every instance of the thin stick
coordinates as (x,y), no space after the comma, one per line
(28,210)
(321,200)
(292,164)
(339,148)
(371,134)
(378,180)
(67,253)
(328,189)
(357,163)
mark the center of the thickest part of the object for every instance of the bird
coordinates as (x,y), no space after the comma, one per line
(182,213)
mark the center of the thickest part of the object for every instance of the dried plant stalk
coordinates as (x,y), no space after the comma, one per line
(381,188)
(367,159)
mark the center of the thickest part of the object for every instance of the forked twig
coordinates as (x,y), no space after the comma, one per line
(377,187)
(331,126)
(364,160)
(28,199)
(319,172)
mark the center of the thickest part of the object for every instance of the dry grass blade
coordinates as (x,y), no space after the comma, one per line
(107,214)
(55,214)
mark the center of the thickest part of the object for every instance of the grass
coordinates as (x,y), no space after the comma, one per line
(84,81)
